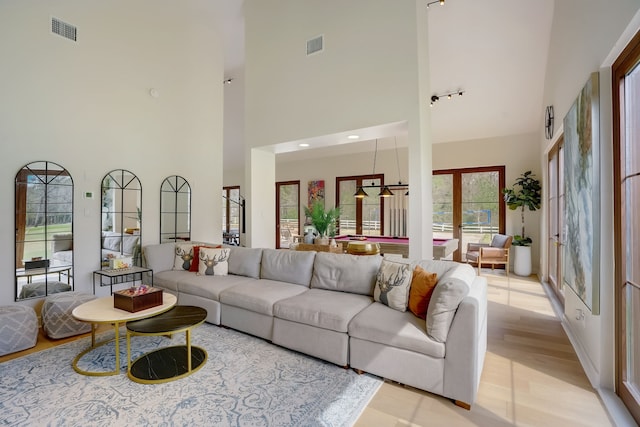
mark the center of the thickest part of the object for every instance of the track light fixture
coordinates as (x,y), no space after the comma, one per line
(227,81)
(436,98)
(434,2)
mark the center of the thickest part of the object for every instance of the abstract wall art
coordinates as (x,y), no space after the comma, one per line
(581,231)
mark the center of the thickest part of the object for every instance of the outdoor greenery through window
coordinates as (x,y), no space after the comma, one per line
(231,215)
(288,212)
(467,204)
(360,216)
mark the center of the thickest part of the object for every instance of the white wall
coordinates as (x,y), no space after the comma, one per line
(363,78)
(86,106)
(584,34)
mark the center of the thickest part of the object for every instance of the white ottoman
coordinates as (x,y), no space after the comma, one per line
(57,320)
(18,328)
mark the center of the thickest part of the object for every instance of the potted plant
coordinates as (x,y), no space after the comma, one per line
(322,220)
(525,193)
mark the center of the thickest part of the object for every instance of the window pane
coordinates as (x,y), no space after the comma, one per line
(632,228)
(347,223)
(443,206)
(371,211)
(288,209)
(480,208)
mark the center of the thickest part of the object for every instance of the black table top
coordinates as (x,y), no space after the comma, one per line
(178,318)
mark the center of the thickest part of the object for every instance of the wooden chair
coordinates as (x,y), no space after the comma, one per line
(495,253)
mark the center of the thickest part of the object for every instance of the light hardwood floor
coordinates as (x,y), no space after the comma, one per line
(531,376)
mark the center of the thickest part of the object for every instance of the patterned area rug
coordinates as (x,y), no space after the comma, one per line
(245,382)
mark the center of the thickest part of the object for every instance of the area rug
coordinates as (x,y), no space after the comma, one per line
(246,381)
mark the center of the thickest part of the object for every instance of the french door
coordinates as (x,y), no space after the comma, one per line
(555,203)
(626,170)
(287,212)
(467,205)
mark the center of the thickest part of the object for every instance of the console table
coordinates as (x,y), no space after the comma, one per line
(120,275)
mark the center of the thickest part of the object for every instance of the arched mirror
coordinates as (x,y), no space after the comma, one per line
(175,209)
(44,230)
(121,223)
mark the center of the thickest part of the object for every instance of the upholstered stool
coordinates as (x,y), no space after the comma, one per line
(57,320)
(18,328)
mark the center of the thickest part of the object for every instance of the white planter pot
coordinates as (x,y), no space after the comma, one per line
(522,260)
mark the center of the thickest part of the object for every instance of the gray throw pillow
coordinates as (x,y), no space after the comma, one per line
(451,289)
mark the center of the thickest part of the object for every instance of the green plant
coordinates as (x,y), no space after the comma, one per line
(526,192)
(322,220)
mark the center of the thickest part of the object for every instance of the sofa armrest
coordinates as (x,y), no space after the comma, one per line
(466,345)
(475,247)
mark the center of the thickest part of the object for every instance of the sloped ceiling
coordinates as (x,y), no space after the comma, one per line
(494,50)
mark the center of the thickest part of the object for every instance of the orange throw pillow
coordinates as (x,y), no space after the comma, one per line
(422,285)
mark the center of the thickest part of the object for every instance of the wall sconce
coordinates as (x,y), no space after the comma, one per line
(434,2)
(436,98)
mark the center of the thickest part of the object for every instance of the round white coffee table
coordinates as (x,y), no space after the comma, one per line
(101,310)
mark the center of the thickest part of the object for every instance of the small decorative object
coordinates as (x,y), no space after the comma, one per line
(322,220)
(137,298)
(333,243)
(121,262)
(309,236)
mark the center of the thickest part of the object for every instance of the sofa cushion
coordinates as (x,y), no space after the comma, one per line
(321,308)
(392,284)
(378,323)
(129,243)
(245,261)
(259,296)
(213,261)
(168,279)
(452,287)
(287,266)
(423,284)
(159,257)
(209,286)
(183,256)
(111,240)
(347,273)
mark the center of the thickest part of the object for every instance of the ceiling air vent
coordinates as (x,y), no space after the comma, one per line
(63,29)
(315,45)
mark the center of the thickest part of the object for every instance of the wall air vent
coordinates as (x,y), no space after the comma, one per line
(63,29)
(315,45)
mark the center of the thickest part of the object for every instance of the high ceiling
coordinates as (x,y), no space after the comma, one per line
(494,50)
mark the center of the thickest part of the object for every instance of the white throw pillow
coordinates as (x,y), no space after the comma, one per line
(184,256)
(213,262)
(392,284)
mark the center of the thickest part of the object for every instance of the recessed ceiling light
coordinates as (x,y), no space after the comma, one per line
(353,137)
(304,144)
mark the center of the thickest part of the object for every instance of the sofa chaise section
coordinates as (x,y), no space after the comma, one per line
(445,358)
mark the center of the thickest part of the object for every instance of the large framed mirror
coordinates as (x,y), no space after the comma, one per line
(44,230)
(175,209)
(121,217)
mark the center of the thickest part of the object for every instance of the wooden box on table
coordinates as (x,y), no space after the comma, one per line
(134,299)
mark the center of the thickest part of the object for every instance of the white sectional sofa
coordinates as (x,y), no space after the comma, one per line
(322,304)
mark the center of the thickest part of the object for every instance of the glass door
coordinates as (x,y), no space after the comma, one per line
(468,205)
(626,139)
(287,212)
(555,203)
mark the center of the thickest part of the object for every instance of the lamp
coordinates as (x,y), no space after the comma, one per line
(385,190)
(436,98)
(434,2)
